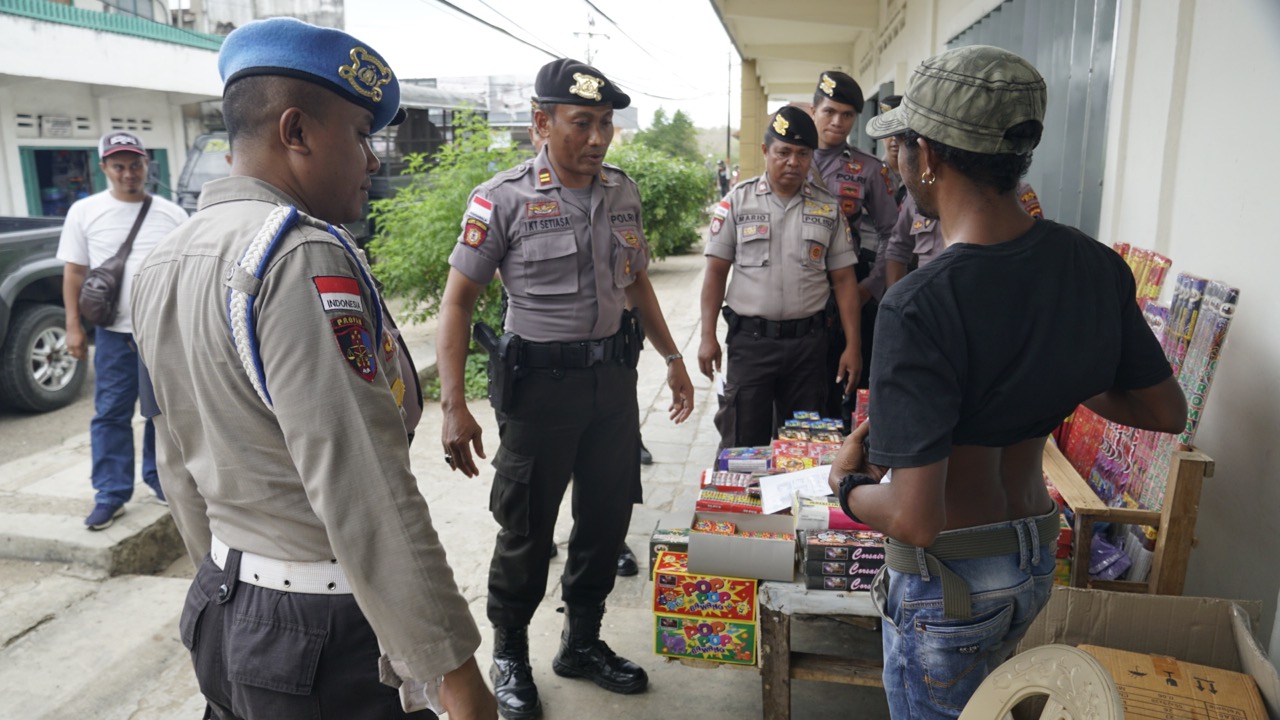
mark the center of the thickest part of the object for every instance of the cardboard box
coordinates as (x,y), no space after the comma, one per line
(1204,631)
(723,641)
(1161,686)
(734,556)
(676,591)
(666,538)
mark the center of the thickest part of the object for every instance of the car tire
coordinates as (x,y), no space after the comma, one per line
(37,373)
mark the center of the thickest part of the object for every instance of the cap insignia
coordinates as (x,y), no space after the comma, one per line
(780,125)
(366,73)
(587,86)
(827,85)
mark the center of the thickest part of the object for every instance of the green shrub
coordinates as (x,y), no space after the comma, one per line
(475,380)
(418,228)
(675,194)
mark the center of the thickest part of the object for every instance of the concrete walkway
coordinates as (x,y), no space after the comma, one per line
(84,634)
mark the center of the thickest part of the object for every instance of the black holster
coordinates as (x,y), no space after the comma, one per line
(632,333)
(503,365)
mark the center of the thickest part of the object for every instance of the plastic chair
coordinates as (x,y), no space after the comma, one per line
(1077,686)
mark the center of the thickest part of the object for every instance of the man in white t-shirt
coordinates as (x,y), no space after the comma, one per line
(95,229)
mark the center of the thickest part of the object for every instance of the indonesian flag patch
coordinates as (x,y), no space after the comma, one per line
(721,212)
(339,294)
(355,342)
(480,209)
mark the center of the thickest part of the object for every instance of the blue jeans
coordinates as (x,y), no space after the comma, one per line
(115,393)
(933,664)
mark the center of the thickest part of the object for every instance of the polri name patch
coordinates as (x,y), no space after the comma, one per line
(339,294)
(355,343)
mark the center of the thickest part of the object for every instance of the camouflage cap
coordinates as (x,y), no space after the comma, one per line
(968,98)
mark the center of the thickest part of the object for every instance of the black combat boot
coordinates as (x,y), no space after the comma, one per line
(584,655)
(511,675)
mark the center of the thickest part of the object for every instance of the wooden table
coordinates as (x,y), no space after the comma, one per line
(778,602)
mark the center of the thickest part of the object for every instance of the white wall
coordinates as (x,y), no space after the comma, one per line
(63,52)
(76,72)
(1192,172)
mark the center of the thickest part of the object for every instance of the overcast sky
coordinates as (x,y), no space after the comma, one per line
(679,60)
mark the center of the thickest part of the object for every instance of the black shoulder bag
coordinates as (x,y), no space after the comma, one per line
(100,293)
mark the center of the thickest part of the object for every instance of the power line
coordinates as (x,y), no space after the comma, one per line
(521,27)
(490,25)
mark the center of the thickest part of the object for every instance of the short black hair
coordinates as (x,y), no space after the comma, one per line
(251,104)
(1000,172)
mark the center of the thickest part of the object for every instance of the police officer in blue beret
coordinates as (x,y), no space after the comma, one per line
(283,422)
(565,230)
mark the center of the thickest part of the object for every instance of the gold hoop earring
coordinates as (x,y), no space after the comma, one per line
(928,178)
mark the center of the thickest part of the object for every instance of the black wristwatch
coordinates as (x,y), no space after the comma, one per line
(847,484)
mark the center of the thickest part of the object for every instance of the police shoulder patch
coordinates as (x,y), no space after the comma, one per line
(355,343)
(474,233)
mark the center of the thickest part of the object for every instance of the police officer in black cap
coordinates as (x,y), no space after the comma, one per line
(565,231)
(861,184)
(789,248)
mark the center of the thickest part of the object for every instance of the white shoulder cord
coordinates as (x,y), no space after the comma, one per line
(243,290)
(240,302)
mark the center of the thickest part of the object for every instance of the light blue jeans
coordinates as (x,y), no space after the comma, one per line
(933,664)
(115,394)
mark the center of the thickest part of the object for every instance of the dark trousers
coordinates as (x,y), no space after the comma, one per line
(261,654)
(579,423)
(768,380)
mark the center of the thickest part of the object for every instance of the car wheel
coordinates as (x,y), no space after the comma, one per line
(37,372)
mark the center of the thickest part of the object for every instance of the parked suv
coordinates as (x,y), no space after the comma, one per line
(206,160)
(37,372)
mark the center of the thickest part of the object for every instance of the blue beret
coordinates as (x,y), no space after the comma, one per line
(324,56)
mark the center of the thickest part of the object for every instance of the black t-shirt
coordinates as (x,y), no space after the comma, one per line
(995,344)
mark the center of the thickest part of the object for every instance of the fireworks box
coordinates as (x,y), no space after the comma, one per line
(724,501)
(745,459)
(724,641)
(666,538)
(728,481)
(744,557)
(854,583)
(676,591)
(814,515)
(843,546)
(1205,631)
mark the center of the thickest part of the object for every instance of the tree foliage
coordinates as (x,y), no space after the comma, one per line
(677,137)
(418,228)
(674,194)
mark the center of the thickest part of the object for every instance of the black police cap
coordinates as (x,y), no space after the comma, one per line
(890,102)
(840,87)
(571,82)
(793,125)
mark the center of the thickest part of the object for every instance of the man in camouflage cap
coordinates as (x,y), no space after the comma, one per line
(787,242)
(978,356)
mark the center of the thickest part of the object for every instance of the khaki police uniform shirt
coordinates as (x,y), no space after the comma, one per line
(325,474)
(861,182)
(565,270)
(781,250)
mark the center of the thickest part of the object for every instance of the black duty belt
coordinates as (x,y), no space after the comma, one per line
(582,354)
(775,329)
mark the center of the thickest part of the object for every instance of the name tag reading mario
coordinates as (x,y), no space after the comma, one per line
(339,294)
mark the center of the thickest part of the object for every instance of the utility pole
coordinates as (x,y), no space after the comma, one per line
(728,114)
(591,26)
